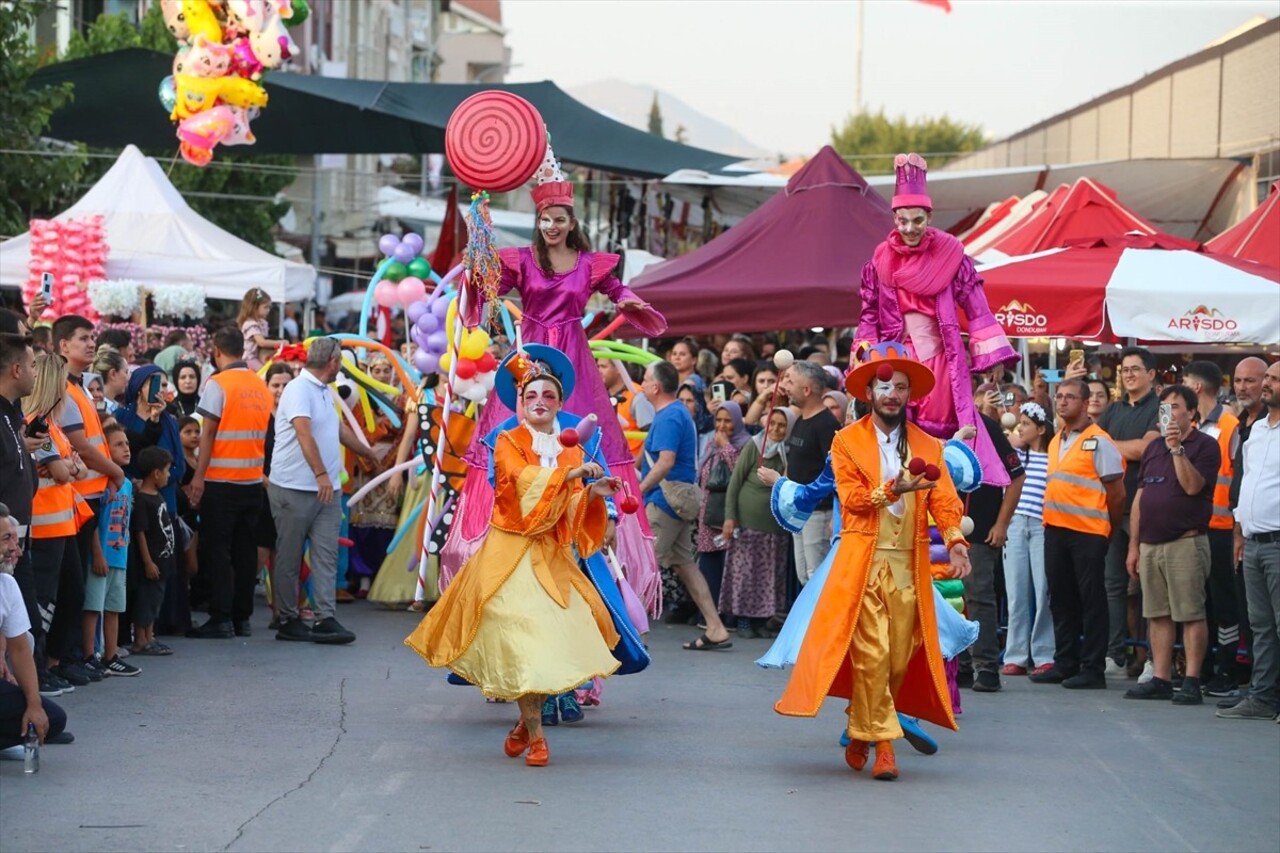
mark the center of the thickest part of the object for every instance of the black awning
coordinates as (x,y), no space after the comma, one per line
(117,103)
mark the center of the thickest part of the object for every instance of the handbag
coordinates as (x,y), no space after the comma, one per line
(717,486)
(718,479)
(685,499)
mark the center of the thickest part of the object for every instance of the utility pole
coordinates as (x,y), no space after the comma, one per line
(857,84)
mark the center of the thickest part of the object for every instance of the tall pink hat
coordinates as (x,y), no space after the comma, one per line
(553,189)
(912,189)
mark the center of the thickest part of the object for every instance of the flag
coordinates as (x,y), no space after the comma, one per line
(450,243)
(944,5)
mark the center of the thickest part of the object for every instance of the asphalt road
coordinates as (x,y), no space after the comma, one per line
(255,744)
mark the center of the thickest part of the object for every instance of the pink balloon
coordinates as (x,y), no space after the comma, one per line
(385,294)
(410,290)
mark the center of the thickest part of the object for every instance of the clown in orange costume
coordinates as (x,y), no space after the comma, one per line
(872,639)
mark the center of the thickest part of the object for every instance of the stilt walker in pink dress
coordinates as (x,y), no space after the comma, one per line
(911,290)
(555,277)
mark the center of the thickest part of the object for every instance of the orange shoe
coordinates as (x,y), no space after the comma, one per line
(517,741)
(886,769)
(538,755)
(855,754)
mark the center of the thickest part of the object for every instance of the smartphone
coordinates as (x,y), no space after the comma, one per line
(1008,399)
(46,286)
(720,391)
(1076,355)
(1166,418)
(153,388)
(1051,376)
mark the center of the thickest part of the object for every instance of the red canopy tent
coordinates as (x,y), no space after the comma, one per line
(1256,237)
(793,263)
(1083,210)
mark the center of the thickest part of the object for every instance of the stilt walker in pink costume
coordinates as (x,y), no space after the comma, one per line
(555,277)
(911,290)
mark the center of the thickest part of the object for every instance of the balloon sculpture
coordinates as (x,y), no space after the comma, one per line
(75,253)
(224,48)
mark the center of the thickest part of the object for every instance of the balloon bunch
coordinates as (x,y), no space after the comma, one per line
(224,48)
(402,280)
(442,340)
(75,253)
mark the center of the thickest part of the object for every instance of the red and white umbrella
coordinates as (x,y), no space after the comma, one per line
(1155,288)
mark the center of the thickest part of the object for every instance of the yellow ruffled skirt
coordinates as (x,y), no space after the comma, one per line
(528,644)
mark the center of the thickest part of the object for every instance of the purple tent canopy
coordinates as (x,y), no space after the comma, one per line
(793,263)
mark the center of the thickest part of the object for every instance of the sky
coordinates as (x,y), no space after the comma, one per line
(783,72)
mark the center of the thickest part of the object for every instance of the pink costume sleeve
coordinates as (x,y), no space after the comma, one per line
(988,345)
(512,275)
(869,318)
(647,320)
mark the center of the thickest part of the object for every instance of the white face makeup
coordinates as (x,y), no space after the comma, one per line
(880,389)
(541,401)
(911,223)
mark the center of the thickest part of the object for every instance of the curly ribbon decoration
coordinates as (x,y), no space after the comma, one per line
(484,267)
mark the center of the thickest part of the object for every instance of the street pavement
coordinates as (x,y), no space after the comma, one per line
(253,744)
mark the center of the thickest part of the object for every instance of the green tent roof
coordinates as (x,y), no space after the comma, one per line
(117,103)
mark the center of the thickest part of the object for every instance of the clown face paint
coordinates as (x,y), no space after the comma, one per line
(541,400)
(555,223)
(911,223)
(889,398)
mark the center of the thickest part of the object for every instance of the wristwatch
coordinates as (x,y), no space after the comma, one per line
(1178,451)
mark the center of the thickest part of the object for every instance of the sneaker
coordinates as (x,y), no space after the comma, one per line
(986,681)
(1148,673)
(330,632)
(243,628)
(1220,686)
(295,630)
(61,683)
(94,664)
(570,710)
(1189,694)
(123,652)
(1248,708)
(48,687)
(1086,681)
(1156,688)
(1114,667)
(1230,701)
(964,678)
(212,630)
(115,666)
(550,713)
(72,672)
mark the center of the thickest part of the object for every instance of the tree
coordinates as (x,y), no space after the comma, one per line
(32,180)
(869,141)
(655,117)
(682,134)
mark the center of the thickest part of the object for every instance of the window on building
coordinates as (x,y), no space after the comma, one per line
(1268,171)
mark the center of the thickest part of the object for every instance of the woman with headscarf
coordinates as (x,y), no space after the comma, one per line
(186,385)
(693,393)
(755,568)
(149,424)
(837,403)
(715,469)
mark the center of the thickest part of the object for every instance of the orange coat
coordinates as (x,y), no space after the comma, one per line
(822,667)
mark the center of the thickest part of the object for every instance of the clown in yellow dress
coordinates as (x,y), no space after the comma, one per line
(521,620)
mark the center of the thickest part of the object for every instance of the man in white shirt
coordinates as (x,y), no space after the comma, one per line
(306,467)
(1257,536)
(20,701)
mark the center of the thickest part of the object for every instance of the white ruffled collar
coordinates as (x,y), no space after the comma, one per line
(546,445)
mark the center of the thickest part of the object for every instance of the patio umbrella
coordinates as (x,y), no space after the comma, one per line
(1152,287)
(1256,237)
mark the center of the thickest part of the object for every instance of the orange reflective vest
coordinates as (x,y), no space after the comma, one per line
(1074,497)
(238,445)
(1228,424)
(53,508)
(627,422)
(95,484)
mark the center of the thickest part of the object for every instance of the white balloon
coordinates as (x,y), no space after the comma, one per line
(461,386)
(476,394)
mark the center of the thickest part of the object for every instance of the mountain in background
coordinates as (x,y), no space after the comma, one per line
(630,104)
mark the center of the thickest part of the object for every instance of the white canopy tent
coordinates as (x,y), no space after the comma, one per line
(155,238)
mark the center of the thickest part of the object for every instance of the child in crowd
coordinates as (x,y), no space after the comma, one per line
(104,588)
(252,320)
(155,549)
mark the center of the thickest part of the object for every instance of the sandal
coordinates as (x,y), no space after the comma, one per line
(706,644)
(153,649)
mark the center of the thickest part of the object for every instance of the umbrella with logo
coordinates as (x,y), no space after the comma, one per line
(1151,287)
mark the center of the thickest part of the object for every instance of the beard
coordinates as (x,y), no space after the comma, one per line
(893,420)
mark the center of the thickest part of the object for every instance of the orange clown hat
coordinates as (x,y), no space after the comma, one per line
(897,357)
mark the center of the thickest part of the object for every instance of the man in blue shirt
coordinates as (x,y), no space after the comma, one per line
(670,454)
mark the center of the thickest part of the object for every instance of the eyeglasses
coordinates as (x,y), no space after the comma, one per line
(1062,397)
(1130,371)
